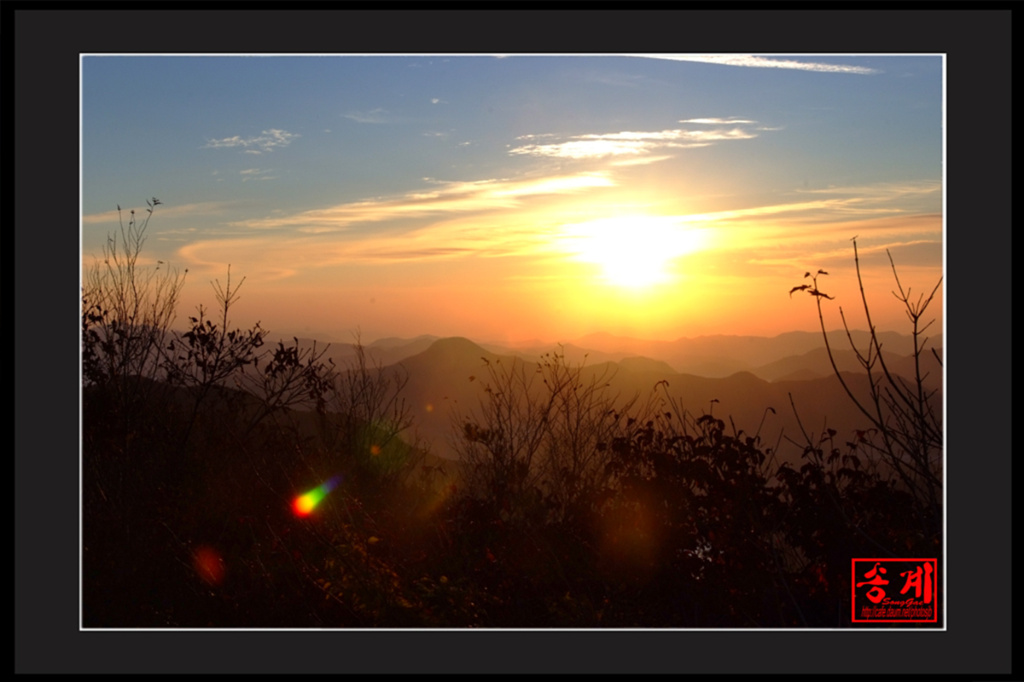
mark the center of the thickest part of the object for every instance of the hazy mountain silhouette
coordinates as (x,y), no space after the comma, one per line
(745,374)
(450,375)
(815,364)
(382,352)
(441,378)
(573,354)
(640,365)
(722,355)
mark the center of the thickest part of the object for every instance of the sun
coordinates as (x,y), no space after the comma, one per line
(632,251)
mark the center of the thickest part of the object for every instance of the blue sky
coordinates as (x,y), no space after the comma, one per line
(513,197)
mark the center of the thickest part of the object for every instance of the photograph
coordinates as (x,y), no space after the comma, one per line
(512,341)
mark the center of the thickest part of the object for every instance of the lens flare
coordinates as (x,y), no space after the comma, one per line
(209,564)
(305,504)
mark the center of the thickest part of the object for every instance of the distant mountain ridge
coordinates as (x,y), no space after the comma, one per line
(447,380)
(738,377)
(786,356)
(722,355)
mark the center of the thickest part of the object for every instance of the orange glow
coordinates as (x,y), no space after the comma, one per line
(575,269)
(209,565)
(630,541)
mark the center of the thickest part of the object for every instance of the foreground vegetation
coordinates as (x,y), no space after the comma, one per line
(569,507)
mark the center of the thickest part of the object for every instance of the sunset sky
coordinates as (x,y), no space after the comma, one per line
(508,198)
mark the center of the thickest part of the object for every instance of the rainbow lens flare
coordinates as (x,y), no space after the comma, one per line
(305,504)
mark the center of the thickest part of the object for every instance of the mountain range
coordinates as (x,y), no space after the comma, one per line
(736,378)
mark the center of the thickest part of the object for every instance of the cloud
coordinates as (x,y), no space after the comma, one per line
(718,121)
(204,208)
(642,160)
(430,252)
(780,234)
(444,240)
(267,141)
(488,218)
(882,201)
(446,197)
(535,136)
(372,116)
(753,61)
(911,242)
(503,236)
(256,174)
(529,218)
(916,253)
(891,190)
(631,143)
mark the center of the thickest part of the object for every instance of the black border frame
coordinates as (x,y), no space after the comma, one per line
(40,65)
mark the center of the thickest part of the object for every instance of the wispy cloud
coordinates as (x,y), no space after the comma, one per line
(256,174)
(206,208)
(267,141)
(445,197)
(458,237)
(838,204)
(445,238)
(753,61)
(487,218)
(372,116)
(778,234)
(906,239)
(890,190)
(719,121)
(918,253)
(626,143)
(641,160)
(530,218)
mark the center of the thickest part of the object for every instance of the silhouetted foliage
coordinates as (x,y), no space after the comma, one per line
(906,416)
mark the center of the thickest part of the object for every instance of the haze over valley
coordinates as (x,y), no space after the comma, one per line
(743,375)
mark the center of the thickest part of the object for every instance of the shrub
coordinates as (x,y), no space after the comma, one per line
(906,438)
